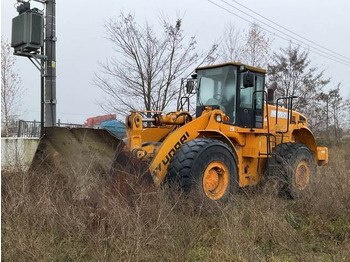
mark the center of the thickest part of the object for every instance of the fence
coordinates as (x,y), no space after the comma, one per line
(32,128)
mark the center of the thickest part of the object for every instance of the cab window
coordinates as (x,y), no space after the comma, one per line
(246,94)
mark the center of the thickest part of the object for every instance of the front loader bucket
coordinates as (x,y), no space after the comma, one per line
(75,149)
(80,152)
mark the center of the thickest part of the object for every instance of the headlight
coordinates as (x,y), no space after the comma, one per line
(218,118)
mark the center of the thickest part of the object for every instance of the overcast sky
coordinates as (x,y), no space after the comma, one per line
(81,41)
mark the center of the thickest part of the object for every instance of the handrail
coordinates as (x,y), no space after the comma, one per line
(289,111)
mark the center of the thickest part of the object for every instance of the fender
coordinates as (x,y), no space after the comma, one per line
(306,137)
(220,136)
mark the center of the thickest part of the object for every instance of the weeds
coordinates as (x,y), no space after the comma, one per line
(54,217)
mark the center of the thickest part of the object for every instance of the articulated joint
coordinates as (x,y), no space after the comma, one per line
(173,118)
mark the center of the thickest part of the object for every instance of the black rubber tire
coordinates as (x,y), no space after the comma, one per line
(284,166)
(190,161)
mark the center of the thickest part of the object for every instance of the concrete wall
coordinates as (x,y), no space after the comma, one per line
(17,152)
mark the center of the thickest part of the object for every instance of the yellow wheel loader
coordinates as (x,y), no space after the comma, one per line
(237,135)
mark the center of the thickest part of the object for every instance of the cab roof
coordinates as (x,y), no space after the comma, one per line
(252,68)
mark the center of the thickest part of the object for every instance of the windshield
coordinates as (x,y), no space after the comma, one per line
(217,86)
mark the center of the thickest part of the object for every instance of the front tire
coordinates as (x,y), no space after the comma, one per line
(205,169)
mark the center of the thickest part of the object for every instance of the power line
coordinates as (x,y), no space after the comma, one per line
(290,31)
(288,35)
(288,40)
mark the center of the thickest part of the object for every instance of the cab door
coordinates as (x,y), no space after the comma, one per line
(250,110)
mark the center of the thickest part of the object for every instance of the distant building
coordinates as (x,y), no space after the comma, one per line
(94,122)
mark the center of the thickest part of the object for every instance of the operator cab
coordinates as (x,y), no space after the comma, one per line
(235,89)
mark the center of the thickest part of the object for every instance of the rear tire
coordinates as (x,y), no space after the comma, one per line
(205,169)
(295,167)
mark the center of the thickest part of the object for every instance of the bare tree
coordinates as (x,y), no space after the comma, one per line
(338,111)
(147,73)
(291,69)
(252,48)
(256,47)
(231,44)
(323,119)
(10,88)
(335,114)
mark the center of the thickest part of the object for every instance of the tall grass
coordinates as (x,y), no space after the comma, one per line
(57,217)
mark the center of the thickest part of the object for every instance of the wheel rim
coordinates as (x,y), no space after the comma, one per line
(302,175)
(215,180)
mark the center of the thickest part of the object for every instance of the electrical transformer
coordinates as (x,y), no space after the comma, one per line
(28,32)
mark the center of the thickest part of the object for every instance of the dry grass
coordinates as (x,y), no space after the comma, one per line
(52,217)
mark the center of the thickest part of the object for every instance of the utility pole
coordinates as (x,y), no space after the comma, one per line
(50,64)
(35,37)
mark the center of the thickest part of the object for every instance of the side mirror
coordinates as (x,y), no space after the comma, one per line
(190,86)
(248,80)
(271,93)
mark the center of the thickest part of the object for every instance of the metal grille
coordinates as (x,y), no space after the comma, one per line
(32,128)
